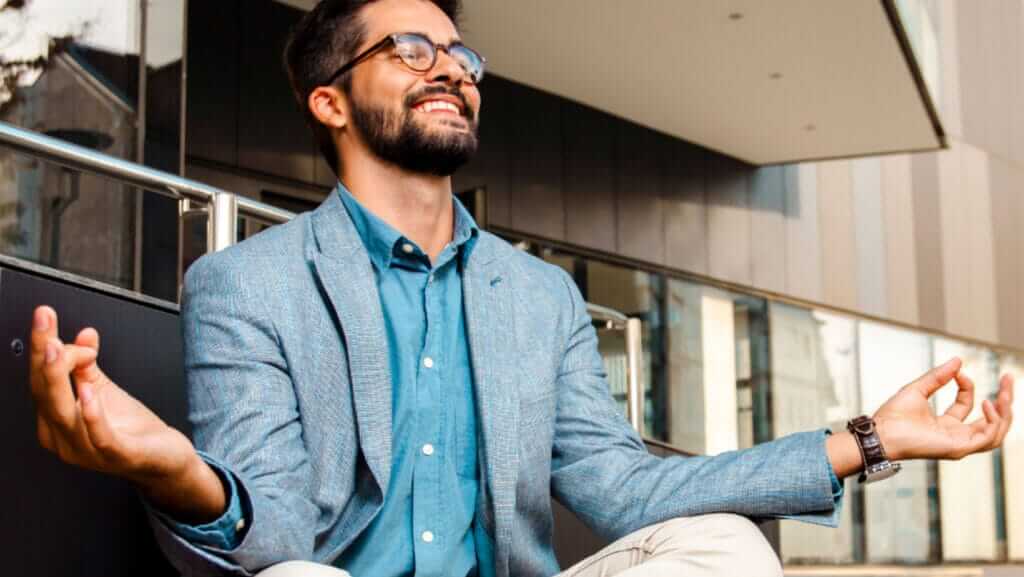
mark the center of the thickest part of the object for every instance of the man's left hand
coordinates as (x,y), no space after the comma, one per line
(909,429)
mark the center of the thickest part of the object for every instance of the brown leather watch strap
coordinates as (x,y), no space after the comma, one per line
(863,429)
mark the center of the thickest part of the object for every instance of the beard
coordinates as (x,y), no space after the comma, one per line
(398,138)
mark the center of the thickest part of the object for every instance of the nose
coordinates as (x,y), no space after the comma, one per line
(447,70)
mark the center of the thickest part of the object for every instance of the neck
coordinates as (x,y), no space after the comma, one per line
(417,205)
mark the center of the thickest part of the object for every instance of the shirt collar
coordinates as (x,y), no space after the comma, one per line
(384,243)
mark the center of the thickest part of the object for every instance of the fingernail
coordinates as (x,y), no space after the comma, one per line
(51,352)
(42,320)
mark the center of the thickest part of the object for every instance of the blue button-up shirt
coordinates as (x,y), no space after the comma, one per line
(427,524)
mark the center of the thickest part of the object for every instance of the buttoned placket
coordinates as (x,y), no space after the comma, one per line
(431,423)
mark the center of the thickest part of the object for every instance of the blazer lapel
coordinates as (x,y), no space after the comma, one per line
(490,323)
(346,277)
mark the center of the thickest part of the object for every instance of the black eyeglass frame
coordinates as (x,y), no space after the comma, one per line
(393,40)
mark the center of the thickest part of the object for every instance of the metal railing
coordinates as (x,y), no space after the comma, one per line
(223,209)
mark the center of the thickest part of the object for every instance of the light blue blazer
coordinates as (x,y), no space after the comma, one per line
(289,388)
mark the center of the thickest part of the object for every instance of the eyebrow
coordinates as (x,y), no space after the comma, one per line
(455,40)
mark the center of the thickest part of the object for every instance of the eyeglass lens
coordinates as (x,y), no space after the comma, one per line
(420,54)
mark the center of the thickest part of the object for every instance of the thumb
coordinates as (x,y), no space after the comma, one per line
(88,337)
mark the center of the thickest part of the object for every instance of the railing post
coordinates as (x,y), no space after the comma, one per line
(222,226)
(634,374)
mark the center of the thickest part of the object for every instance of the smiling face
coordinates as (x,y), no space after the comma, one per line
(424,122)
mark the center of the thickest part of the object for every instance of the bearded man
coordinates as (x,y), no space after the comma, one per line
(380,388)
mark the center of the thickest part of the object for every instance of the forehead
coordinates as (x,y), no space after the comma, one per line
(394,16)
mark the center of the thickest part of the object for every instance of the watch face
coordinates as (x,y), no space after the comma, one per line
(880,471)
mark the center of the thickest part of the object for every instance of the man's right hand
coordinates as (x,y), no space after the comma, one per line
(107,430)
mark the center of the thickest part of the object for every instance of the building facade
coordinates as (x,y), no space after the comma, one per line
(775,298)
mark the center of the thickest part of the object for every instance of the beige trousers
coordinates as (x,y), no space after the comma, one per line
(719,545)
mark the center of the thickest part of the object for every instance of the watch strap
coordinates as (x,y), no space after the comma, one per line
(871,450)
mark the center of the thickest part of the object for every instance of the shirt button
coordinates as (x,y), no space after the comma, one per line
(427,537)
(428,449)
(240,525)
(407,248)
(430,279)
(428,362)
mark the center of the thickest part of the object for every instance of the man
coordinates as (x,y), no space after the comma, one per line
(382,388)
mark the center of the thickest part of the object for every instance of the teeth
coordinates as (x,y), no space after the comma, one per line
(433,105)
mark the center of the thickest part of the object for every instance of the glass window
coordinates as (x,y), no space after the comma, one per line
(1013,464)
(814,384)
(716,368)
(83,84)
(967,487)
(636,294)
(900,513)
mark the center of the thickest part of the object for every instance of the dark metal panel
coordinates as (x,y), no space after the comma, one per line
(588,149)
(213,80)
(640,188)
(61,520)
(686,208)
(535,154)
(490,168)
(272,134)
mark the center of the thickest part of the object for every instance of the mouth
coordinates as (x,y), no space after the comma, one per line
(439,107)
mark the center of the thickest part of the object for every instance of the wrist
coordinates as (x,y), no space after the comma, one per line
(891,444)
(193,494)
(843,454)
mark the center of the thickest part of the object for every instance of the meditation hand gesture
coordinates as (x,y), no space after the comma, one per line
(107,430)
(910,430)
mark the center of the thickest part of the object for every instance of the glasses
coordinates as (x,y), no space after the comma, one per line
(420,54)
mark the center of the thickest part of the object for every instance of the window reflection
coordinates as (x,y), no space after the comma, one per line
(1013,464)
(967,487)
(726,370)
(814,384)
(899,513)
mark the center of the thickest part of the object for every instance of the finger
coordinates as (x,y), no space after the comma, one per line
(964,402)
(54,398)
(101,435)
(85,368)
(984,429)
(44,328)
(88,337)
(934,379)
(1004,406)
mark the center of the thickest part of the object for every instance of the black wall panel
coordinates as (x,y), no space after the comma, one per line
(59,520)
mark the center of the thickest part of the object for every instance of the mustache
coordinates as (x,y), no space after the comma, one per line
(415,97)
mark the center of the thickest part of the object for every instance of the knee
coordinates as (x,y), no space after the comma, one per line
(302,569)
(731,544)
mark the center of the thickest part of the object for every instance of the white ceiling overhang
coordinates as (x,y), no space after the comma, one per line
(765,82)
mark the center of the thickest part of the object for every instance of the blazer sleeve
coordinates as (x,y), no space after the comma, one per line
(245,419)
(602,471)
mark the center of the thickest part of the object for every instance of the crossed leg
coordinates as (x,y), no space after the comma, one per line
(717,545)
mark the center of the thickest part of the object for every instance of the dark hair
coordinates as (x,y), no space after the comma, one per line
(322,41)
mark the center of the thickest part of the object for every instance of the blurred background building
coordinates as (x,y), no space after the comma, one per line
(808,202)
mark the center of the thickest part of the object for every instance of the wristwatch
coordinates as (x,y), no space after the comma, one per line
(876,465)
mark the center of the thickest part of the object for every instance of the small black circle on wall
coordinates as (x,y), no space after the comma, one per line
(17,347)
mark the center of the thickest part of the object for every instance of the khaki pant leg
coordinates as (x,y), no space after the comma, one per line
(717,545)
(301,569)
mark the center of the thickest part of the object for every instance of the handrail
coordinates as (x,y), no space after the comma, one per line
(87,160)
(223,209)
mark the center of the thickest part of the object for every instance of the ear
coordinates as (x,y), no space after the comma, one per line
(329,106)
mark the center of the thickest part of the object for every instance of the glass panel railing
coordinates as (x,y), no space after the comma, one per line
(65,219)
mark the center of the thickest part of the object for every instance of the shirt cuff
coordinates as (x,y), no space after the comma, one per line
(224,533)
